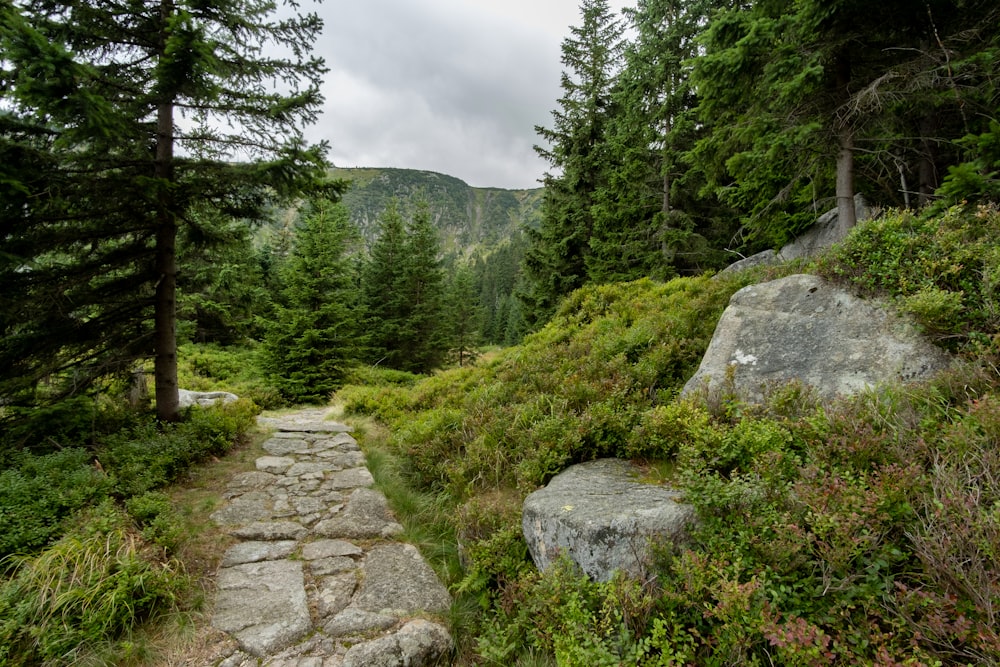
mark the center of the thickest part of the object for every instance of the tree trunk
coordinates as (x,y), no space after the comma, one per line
(846,218)
(165,317)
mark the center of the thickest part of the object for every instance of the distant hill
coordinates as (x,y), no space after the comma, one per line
(469,218)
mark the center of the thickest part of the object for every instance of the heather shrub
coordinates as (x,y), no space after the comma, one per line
(39,493)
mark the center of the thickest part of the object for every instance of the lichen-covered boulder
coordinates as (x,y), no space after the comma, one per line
(604,517)
(805,329)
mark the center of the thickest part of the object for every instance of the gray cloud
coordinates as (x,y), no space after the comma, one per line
(445,85)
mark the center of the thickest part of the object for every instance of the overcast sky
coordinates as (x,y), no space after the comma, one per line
(453,86)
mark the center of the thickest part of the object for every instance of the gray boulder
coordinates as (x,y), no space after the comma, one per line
(419,643)
(603,517)
(823,235)
(802,328)
(815,240)
(204,399)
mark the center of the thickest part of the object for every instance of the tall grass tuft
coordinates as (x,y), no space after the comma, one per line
(85,592)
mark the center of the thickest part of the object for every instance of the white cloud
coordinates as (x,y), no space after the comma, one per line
(454,86)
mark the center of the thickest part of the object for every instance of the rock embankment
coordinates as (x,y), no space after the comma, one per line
(317,579)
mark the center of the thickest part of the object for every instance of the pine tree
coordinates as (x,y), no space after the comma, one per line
(138,112)
(315,334)
(463,315)
(423,343)
(382,287)
(556,262)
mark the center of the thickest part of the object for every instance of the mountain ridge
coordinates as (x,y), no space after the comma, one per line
(467,216)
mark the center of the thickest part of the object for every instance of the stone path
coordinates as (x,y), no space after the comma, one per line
(318,579)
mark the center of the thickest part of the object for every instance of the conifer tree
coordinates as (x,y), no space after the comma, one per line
(423,342)
(556,262)
(463,315)
(134,113)
(382,287)
(314,334)
(645,209)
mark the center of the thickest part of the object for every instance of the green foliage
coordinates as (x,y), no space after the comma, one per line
(608,355)
(156,518)
(145,458)
(39,493)
(88,590)
(236,369)
(591,624)
(942,269)
(314,333)
(858,531)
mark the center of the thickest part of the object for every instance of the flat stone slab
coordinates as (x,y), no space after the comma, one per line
(276,465)
(271,530)
(329,549)
(350,479)
(366,515)
(263,605)
(248,508)
(353,622)
(398,580)
(603,517)
(419,643)
(278,446)
(254,552)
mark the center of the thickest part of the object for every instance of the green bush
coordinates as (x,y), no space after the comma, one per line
(156,517)
(148,457)
(237,369)
(944,269)
(87,590)
(39,493)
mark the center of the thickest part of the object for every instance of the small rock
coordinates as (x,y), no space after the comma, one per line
(334,593)
(419,643)
(271,531)
(335,565)
(328,549)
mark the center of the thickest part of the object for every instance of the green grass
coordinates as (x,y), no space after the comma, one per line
(859,531)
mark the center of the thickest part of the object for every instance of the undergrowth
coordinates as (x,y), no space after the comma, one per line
(859,532)
(87,538)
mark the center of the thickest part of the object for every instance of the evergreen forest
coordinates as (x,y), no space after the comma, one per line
(165,224)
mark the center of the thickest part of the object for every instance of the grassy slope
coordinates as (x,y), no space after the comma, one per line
(860,532)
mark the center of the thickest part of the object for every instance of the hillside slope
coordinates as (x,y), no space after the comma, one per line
(467,216)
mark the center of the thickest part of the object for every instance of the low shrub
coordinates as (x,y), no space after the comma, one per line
(88,590)
(211,367)
(943,269)
(148,457)
(39,493)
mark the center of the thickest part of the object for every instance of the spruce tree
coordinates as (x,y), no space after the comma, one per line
(382,287)
(645,211)
(463,315)
(556,261)
(423,343)
(137,113)
(315,332)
